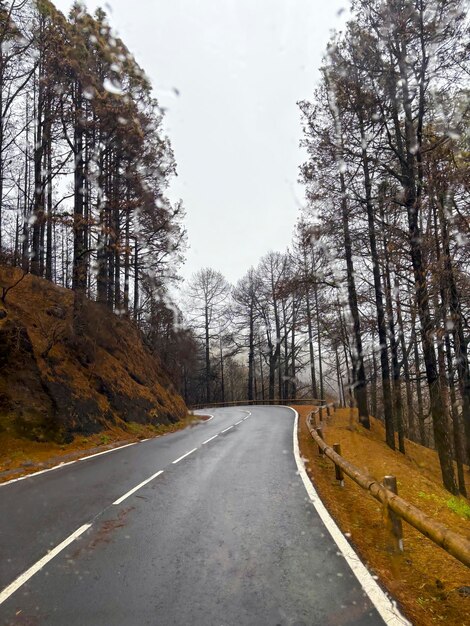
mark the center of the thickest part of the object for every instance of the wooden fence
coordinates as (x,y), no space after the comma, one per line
(277,402)
(397,508)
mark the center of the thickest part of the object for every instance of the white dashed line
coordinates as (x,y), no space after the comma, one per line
(129,493)
(92,456)
(184,456)
(229,428)
(207,440)
(34,569)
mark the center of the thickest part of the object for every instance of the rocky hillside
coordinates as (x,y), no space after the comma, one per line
(55,383)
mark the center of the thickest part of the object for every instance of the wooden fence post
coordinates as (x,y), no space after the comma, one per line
(320,434)
(338,471)
(394,522)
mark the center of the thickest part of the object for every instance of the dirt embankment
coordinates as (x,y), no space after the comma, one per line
(57,383)
(431,586)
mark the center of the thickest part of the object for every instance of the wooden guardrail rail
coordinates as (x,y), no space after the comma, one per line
(288,401)
(397,509)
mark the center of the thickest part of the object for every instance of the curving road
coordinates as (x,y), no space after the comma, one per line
(212,525)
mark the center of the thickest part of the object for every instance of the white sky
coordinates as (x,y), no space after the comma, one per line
(240,66)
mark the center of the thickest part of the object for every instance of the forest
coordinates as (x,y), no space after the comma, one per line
(85,164)
(369,306)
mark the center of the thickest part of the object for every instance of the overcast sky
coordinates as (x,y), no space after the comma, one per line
(239,66)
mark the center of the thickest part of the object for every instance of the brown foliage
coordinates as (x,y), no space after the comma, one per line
(56,383)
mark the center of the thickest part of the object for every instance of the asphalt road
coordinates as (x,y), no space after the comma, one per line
(226,535)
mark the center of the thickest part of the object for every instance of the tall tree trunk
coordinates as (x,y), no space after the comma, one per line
(412,185)
(222,373)
(339,379)
(458,443)
(127,252)
(207,354)
(285,386)
(378,293)
(38,207)
(319,344)
(263,391)
(101,253)
(394,352)
(2,122)
(423,439)
(79,249)
(136,280)
(406,364)
(251,351)
(359,383)
(313,375)
(293,384)
(25,261)
(49,220)
(456,318)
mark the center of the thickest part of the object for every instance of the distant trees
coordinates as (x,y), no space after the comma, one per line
(253,338)
(388,119)
(84,163)
(207,302)
(245,317)
(84,166)
(371,303)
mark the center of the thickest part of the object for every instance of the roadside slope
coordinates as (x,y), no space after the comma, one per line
(431,585)
(56,383)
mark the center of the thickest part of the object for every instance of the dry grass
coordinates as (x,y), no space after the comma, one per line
(425,580)
(56,383)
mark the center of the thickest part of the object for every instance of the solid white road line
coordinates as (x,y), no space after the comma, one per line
(236,423)
(211,417)
(21,580)
(33,474)
(92,456)
(184,456)
(207,440)
(384,605)
(229,428)
(129,493)
(56,467)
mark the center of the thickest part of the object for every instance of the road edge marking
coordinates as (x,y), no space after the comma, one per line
(34,569)
(60,465)
(385,606)
(92,456)
(211,417)
(134,489)
(33,474)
